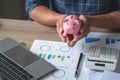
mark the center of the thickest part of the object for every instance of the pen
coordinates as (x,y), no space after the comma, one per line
(79,66)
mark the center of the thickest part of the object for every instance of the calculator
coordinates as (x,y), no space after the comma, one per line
(102,58)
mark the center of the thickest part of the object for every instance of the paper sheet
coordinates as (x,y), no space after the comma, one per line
(107,75)
(59,54)
(101,39)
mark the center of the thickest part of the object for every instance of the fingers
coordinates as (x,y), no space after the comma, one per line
(72,43)
(68,41)
(85,33)
(60,32)
(59,27)
(85,29)
(76,38)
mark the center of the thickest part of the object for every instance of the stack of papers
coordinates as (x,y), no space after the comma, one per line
(66,58)
(107,75)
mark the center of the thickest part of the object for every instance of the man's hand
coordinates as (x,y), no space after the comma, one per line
(85,27)
(70,39)
(59,27)
(84,30)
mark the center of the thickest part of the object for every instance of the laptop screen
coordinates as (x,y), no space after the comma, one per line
(21,56)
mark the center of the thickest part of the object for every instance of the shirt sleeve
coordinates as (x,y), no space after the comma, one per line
(31,4)
(118,1)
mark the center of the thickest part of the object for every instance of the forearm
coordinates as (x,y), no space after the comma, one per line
(106,21)
(44,15)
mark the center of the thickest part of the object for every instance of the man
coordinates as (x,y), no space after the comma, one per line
(98,13)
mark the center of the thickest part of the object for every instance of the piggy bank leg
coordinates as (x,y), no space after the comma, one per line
(64,34)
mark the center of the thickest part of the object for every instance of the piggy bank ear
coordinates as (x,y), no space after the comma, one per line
(76,22)
(65,20)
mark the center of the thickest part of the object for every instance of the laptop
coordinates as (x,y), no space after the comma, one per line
(18,63)
(102,58)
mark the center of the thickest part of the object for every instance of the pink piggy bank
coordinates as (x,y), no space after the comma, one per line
(71,25)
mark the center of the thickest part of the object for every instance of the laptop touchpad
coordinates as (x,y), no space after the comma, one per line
(21,56)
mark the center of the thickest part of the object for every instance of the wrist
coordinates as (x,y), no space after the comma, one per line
(90,20)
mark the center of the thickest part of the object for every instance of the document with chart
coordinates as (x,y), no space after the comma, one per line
(59,54)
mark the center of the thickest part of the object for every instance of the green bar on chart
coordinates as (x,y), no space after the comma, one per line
(53,57)
(44,56)
(63,57)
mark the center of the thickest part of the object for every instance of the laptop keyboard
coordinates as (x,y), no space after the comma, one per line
(11,71)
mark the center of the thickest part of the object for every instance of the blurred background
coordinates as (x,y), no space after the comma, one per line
(12,9)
